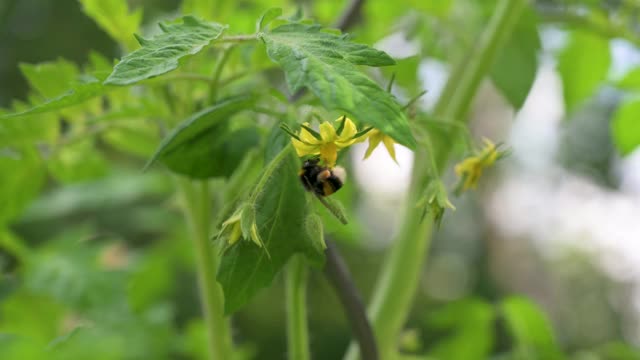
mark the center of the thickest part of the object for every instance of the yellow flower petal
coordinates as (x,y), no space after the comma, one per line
(488,144)
(374,140)
(307,137)
(330,142)
(303,149)
(329,154)
(375,137)
(464,165)
(327,132)
(235,234)
(389,144)
(348,131)
(255,236)
(470,170)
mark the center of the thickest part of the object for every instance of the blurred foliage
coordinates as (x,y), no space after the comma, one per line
(96,263)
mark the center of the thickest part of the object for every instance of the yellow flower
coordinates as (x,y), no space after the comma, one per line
(231,228)
(470,169)
(241,224)
(375,137)
(328,141)
(435,201)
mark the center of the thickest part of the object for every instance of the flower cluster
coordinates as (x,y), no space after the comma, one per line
(329,140)
(242,224)
(435,201)
(470,169)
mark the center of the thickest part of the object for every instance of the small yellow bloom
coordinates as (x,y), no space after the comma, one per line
(375,138)
(328,141)
(241,224)
(435,201)
(231,228)
(470,169)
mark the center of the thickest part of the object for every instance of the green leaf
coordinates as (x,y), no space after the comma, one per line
(78,95)
(440,8)
(281,217)
(60,84)
(133,137)
(12,244)
(161,53)
(582,74)
(631,81)
(99,66)
(351,232)
(616,350)
(314,228)
(468,325)
(310,42)
(406,74)
(21,177)
(325,63)
(152,280)
(202,146)
(20,131)
(79,161)
(530,329)
(22,347)
(35,317)
(335,208)
(625,126)
(516,66)
(114,18)
(267,17)
(215,153)
(50,79)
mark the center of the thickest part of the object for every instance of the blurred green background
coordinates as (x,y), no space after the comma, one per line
(541,262)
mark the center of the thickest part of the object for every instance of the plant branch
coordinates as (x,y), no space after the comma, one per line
(400,276)
(350,15)
(182,76)
(198,213)
(217,72)
(601,26)
(337,273)
(237,39)
(297,328)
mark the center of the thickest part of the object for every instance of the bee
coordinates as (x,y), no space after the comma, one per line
(321,180)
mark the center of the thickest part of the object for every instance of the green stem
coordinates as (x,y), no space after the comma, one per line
(602,26)
(237,38)
(215,82)
(337,272)
(198,212)
(273,113)
(397,285)
(161,80)
(498,31)
(297,329)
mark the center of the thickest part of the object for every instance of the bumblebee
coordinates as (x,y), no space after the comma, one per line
(321,180)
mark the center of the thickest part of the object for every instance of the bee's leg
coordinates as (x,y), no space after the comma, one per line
(323,175)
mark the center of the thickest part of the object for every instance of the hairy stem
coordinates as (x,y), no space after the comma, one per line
(350,15)
(338,274)
(215,82)
(399,279)
(602,26)
(237,38)
(297,329)
(198,213)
